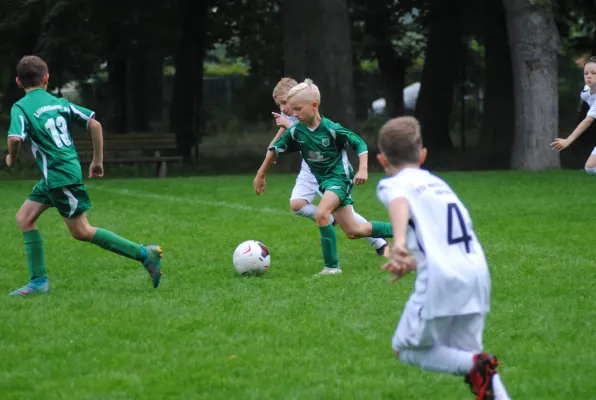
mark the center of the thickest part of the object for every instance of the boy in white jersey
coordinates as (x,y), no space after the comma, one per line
(588,95)
(443,321)
(306,188)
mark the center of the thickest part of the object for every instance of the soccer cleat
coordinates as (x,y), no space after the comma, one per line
(480,377)
(32,287)
(384,251)
(330,271)
(153,263)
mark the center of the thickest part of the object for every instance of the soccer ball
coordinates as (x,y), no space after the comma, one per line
(251,258)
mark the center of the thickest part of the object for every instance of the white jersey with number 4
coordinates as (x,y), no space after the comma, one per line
(452,276)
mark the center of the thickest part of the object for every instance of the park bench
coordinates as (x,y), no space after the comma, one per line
(132,148)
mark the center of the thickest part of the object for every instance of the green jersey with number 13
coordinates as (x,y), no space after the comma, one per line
(43,121)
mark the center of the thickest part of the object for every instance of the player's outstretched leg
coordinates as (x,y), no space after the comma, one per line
(354,230)
(379,244)
(484,380)
(149,256)
(306,209)
(328,237)
(38,280)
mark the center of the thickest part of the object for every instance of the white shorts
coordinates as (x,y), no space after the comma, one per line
(306,187)
(463,332)
(593,153)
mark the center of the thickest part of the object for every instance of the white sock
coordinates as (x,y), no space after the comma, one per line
(308,211)
(377,243)
(499,388)
(591,171)
(439,359)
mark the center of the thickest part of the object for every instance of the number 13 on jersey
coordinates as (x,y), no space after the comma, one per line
(59,129)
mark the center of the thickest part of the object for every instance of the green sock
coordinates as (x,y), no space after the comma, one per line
(35,254)
(329,245)
(116,244)
(381,229)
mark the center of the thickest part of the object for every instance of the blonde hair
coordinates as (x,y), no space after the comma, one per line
(306,90)
(283,86)
(400,140)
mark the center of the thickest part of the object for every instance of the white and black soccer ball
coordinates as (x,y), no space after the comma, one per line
(251,258)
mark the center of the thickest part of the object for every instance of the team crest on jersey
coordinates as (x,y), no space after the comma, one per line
(325,142)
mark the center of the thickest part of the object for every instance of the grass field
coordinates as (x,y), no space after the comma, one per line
(206,333)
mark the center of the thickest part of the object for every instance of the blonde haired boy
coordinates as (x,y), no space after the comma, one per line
(306,188)
(321,143)
(442,324)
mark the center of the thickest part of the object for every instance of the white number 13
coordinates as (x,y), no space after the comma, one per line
(62,138)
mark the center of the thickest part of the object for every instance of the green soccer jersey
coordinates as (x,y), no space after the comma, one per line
(323,148)
(43,121)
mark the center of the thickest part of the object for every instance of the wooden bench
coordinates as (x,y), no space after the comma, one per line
(132,148)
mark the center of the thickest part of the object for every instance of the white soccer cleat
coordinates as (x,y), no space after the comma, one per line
(330,271)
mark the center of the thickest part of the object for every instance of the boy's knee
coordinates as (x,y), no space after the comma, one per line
(322,217)
(353,232)
(83,234)
(297,205)
(23,220)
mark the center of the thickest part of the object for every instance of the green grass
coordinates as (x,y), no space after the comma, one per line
(206,333)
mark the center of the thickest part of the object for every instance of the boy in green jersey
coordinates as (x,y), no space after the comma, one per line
(43,121)
(322,145)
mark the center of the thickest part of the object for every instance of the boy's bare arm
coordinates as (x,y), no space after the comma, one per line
(280,132)
(401,262)
(362,174)
(96,167)
(259,182)
(97,138)
(14,145)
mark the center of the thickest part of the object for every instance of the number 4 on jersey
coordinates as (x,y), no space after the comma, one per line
(61,138)
(453,210)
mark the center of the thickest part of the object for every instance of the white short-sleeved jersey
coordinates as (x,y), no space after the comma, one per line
(589,98)
(452,276)
(306,174)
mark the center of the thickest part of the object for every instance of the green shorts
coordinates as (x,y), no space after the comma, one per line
(70,201)
(341,187)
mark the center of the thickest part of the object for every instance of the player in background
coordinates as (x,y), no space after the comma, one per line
(322,145)
(442,324)
(588,95)
(306,188)
(44,121)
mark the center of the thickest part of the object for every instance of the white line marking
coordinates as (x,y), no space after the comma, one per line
(186,200)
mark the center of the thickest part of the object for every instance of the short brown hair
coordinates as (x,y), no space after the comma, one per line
(283,86)
(400,140)
(31,71)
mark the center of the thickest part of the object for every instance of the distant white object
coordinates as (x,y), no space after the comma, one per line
(410,97)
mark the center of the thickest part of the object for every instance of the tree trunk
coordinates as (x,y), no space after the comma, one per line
(187,93)
(117,59)
(329,58)
(440,73)
(496,141)
(535,44)
(392,67)
(294,39)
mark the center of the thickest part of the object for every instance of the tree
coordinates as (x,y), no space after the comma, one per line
(535,45)
(294,42)
(393,34)
(329,57)
(187,96)
(442,64)
(497,133)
